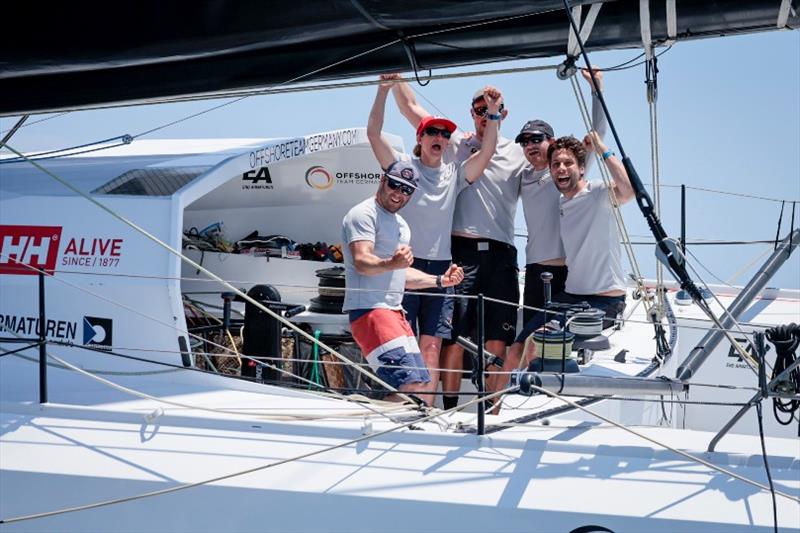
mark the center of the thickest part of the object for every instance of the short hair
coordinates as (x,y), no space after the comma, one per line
(418,150)
(570,143)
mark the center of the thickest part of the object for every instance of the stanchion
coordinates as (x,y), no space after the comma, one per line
(42,343)
(480,382)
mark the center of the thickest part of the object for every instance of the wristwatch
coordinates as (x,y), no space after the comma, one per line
(494,117)
(439,282)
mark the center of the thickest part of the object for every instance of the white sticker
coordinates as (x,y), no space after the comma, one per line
(483,246)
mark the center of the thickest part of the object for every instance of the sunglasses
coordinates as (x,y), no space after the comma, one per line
(394,185)
(481,111)
(532,139)
(433,132)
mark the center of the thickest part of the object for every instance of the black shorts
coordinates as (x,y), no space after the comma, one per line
(534,286)
(490,268)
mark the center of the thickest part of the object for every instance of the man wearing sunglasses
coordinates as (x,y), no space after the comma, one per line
(544,251)
(429,214)
(482,230)
(377,260)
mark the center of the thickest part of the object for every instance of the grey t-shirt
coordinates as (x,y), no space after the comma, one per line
(591,240)
(540,205)
(540,202)
(429,212)
(487,208)
(368,221)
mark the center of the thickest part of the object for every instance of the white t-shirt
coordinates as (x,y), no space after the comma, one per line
(487,208)
(368,221)
(591,241)
(429,212)
(540,205)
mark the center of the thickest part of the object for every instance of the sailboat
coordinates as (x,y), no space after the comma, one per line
(106,422)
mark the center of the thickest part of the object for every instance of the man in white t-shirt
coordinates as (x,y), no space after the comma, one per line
(589,234)
(377,258)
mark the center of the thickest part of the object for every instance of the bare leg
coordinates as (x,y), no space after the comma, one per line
(514,360)
(497,381)
(430,347)
(452,359)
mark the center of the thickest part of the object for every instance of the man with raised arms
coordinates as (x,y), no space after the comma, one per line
(482,232)
(544,251)
(429,214)
(377,258)
(589,233)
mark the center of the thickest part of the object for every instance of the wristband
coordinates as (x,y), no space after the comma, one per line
(494,117)
(607,154)
(439,282)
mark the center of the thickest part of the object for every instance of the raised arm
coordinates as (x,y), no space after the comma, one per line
(380,146)
(477,162)
(599,122)
(621,183)
(406,101)
(369,264)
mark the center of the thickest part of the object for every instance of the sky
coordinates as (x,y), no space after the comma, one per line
(728,119)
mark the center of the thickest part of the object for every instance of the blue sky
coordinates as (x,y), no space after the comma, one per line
(729,119)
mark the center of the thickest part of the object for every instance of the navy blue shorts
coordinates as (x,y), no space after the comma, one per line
(430,315)
(613,306)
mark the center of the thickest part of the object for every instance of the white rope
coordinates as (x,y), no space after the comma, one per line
(783,13)
(644,23)
(573,48)
(255,469)
(672,23)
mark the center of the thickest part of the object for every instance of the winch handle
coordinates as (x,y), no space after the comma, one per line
(547,277)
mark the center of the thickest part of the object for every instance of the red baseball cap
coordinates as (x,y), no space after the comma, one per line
(433,120)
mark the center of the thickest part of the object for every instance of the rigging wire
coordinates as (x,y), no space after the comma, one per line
(31,123)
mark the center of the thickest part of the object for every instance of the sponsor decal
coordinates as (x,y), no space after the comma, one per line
(97,332)
(735,359)
(257,179)
(92,252)
(26,249)
(319,178)
(301,146)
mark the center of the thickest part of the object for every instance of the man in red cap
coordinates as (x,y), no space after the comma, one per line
(429,215)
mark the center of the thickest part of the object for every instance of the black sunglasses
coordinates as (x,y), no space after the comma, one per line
(394,185)
(536,138)
(482,110)
(433,132)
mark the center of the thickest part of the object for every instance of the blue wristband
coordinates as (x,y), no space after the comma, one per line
(607,154)
(494,117)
